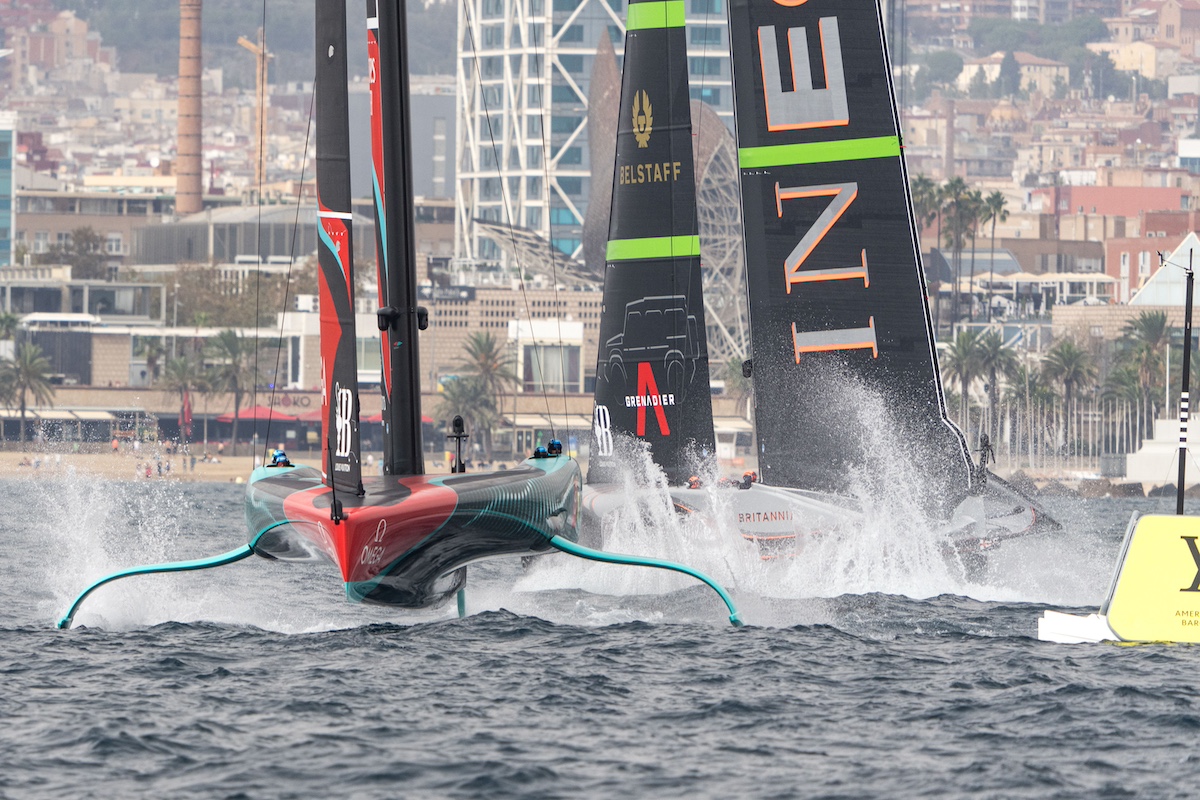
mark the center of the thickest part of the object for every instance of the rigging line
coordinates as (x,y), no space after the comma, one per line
(259,91)
(508,213)
(538,61)
(287,284)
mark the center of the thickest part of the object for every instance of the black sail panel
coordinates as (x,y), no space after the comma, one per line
(842,341)
(652,379)
(391,164)
(339,361)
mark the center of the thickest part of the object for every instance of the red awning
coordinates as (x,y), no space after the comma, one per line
(258,413)
(310,416)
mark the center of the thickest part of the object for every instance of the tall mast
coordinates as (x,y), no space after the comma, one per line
(335,254)
(1184,387)
(391,156)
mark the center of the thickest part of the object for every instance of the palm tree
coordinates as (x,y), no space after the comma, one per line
(925,200)
(1145,339)
(961,359)
(487,361)
(28,374)
(8,324)
(1069,364)
(233,371)
(958,221)
(183,376)
(153,351)
(994,211)
(975,212)
(737,385)
(995,359)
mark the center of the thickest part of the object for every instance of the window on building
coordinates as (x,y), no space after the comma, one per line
(537,8)
(572,33)
(572,186)
(533,218)
(706,94)
(492,67)
(572,64)
(706,6)
(534,95)
(706,34)
(1143,264)
(562,93)
(551,368)
(562,216)
(493,8)
(533,124)
(533,188)
(533,156)
(493,35)
(536,34)
(567,246)
(112,244)
(701,65)
(571,155)
(566,5)
(565,124)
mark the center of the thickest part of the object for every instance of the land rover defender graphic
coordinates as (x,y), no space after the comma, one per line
(657,330)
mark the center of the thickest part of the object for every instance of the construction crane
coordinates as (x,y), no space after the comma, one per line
(260,104)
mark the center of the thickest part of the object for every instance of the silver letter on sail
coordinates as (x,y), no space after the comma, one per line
(804,106)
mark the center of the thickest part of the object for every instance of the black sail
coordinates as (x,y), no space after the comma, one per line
(339,361)
(652,379)
(391,162)
(844,362)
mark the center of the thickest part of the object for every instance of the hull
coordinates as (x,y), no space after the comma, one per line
(780,521)
(401,543)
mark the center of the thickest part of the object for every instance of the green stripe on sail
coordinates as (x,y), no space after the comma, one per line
(666,14)
(782,155)
(653,247)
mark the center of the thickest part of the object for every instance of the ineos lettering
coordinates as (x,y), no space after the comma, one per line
(843,195)
(804,106)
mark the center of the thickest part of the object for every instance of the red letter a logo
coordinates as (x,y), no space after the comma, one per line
(647,389)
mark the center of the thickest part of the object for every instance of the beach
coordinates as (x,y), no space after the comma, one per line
(125,464)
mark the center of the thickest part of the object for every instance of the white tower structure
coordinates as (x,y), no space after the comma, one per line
(523,77)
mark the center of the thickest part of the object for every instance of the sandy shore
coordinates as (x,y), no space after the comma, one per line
(121,466)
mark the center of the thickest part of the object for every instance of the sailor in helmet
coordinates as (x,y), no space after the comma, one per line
(279,459)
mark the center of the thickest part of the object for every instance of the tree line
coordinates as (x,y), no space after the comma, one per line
(960,214)
(1093,399)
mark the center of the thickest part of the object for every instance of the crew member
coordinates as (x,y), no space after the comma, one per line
(279,459)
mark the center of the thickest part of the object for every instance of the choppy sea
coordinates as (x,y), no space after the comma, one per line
(869,669)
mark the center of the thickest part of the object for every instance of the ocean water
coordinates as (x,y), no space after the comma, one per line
(869,669)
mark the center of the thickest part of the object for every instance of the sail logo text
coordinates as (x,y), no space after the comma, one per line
(649,400)
(765,516)
(806,107)
(656,172)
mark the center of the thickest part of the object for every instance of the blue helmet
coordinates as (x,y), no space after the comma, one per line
(278,456)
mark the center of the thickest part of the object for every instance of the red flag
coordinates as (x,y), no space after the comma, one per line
(185,417)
